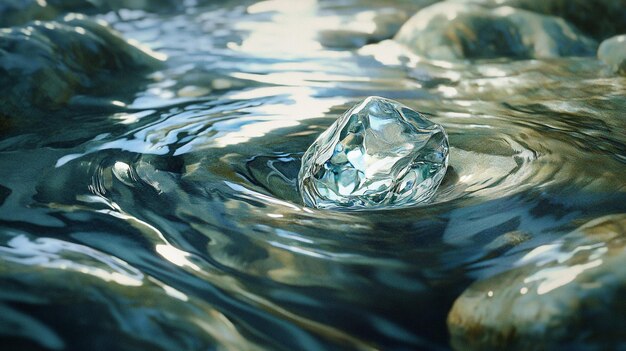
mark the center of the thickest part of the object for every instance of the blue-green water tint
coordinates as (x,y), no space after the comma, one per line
(171,220)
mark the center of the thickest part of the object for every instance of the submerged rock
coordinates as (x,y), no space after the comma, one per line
(18,12)
(452,30)
(613,52)
(562,295)
(13,13)
(42,65)
(379,154)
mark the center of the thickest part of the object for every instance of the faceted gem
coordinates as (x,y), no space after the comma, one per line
(379,154)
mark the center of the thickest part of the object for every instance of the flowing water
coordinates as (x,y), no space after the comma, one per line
(165,215)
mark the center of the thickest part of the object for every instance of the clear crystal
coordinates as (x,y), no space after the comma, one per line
(379,154)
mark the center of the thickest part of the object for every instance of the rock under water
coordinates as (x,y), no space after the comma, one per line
(18,12)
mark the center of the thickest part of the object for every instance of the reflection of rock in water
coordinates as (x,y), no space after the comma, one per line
(564,293)
(44,64)
(450,30)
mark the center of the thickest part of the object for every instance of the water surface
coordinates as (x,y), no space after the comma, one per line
(165,214)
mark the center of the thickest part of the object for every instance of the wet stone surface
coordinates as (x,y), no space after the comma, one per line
(583,14)
(86,55)
(613,52)
(562,294)
(379,154)
(453,30)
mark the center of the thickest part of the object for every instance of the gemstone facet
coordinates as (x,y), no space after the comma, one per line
(379,154)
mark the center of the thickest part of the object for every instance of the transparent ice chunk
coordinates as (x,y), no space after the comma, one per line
(379,154)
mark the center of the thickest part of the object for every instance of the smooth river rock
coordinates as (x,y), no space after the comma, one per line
(44,64)
(561,296)
(453,30)
(597,18)
(18,12)
(613,52)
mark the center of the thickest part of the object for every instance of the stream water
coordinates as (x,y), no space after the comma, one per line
(165,214)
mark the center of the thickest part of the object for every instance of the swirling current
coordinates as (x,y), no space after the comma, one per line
(162,212)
